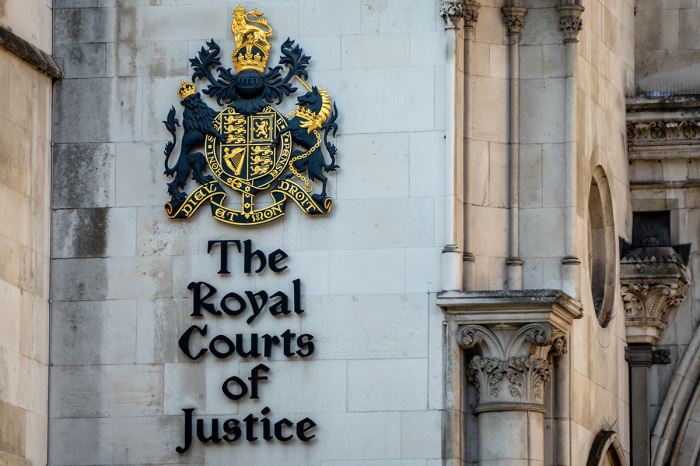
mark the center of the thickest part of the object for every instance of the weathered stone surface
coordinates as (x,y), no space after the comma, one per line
(93,164)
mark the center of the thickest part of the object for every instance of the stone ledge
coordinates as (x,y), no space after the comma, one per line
(30,53)
(511,306)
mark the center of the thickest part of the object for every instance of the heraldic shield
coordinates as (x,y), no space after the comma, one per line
(250,146)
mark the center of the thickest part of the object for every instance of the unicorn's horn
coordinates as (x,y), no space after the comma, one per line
(303,83)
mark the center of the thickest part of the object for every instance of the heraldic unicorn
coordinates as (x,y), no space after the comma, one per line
(249,145)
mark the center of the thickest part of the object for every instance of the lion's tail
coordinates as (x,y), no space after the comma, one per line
(170,123)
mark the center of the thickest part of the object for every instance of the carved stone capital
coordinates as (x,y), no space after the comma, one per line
(513,366)
(452,13)
(653,281)
(514,19)
(570,21)
(520,379)
(471,14)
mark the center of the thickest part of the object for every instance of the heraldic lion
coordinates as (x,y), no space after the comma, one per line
(197,119)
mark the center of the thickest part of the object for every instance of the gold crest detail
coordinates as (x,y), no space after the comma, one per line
(251,31)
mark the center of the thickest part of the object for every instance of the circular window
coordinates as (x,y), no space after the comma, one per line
(601,247)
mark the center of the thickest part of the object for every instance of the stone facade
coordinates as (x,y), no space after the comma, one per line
(506,276)
(27,73)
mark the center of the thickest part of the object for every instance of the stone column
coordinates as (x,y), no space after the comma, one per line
(510,377)
(511,337)
(653,281)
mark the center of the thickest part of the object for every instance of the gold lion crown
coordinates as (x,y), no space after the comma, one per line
(185,89)
(250,32)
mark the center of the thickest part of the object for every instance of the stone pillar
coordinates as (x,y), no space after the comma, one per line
(510,377)
(512,336)
(639,360)
(653,281)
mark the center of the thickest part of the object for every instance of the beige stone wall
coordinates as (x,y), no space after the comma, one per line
(667,54)
(605,70)
(25,197)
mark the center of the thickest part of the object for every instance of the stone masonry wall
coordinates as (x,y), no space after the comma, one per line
(369,270)
(25,196)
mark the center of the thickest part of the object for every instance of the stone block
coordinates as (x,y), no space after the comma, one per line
(94,165)
(553,169)
(307,266)
(481,59)
(106,391)
(84,25)
(158,235)
(13,440)
(657,29)
(436,379)
(320,20)
(427,48)
(488,231)
(36,443)
(15,144)
(541,110)
(145,186)
(15,378)
(363,224)
(440,100)
(97,232)
(423,269)
(541,234)
(19,229)
(185,386)
(378,167)
(351,274)
(498,174)
(496,33)
(376,88)
(554,61)
(531,61)
(489,110)
(512,426)
(82,60)
(541,27)
(84,120)
(151,440)
(498,61)
(388,385)
(391,16)
(115,278)
(375,51)
(324,50)
(174,22)
(421,434)
(367,326)
(531,174)
(152,60)
(126,112)
(10,313)
(427,168)
(93,333)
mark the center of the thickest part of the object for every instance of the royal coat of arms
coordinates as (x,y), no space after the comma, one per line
(249,146)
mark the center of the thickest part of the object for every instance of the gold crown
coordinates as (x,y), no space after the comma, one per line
(185,89)
(250,32)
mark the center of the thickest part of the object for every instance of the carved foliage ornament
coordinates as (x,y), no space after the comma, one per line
(514,19)
(452,11)
(663,131)
(524,377)
(570,21)
(651,302)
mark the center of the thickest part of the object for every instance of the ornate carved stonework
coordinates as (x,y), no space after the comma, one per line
(570,21)
(452,13)
(471,14)
(663,131)
(514,19)
(653,281)
(513,367)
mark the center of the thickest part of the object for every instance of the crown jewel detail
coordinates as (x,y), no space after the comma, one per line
(185,89)
(251,32)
